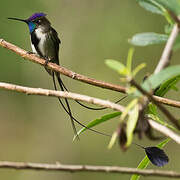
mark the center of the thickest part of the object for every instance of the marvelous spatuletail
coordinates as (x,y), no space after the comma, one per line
(45,43)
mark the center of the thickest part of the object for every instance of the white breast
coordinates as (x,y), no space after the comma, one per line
(42,37)
(33,49)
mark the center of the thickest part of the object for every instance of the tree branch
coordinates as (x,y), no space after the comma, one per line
(74,96)
(165,58)
(86,168)
(164,130)
(76,76)
(168,102)
(151,98)
(61,69)
(163,62)
(62,94)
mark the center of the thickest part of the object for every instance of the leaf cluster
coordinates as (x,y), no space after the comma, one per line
(157,84)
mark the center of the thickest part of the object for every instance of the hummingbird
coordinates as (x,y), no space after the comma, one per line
(45,43)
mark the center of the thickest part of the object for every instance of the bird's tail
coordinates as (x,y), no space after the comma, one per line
(68,109)
(92,108)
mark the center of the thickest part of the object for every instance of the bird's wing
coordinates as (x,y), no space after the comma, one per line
(56,42)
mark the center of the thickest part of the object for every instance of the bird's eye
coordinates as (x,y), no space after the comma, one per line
(39,21)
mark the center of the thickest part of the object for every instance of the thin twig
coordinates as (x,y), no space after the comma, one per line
(162,108)
(62,94)
(86,168)
(168,102)
(164,130)
(165,58)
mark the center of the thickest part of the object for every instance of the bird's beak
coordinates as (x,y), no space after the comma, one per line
(17,19)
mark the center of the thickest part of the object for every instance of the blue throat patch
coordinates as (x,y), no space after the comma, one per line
(32,26)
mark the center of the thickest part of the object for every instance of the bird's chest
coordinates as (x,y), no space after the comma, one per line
(39,45)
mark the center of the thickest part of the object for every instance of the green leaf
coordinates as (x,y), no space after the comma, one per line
(155,80)
(131,124)
(117,66)
(128,108)
(152,109)
(172,5)
(154,6)
(144,163)
(158,7)
(153,114)
(98,121)
(129,59)
(149,38)
(167,85)
(163,143)
(150,7)
(157,119)
(113,140)
(138,68)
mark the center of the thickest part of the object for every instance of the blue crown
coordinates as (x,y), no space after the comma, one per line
(36,15)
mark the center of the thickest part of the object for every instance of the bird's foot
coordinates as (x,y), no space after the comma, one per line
(29,52)
(73,75)
(46,61)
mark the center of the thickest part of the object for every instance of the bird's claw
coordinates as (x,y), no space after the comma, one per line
(73,75)
(46,61)
(29,52)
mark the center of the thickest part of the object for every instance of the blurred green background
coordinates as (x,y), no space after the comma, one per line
(36,129)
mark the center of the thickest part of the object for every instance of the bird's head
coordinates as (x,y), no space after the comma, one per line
(37,20)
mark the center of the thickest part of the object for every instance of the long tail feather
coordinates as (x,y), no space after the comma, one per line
(92,108)
(68,110)
(70,114)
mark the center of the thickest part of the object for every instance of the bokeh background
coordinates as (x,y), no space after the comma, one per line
(36,129)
